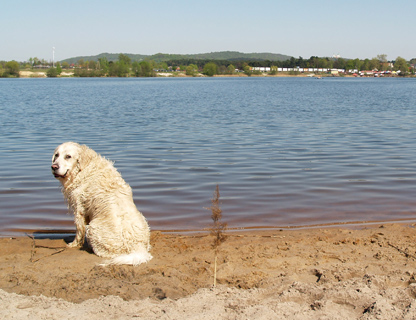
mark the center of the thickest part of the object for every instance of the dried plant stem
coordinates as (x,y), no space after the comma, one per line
(215,271)
(218,227)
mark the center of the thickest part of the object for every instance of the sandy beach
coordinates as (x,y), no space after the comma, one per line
(319,273)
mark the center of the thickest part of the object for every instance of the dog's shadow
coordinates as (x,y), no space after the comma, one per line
(66,237)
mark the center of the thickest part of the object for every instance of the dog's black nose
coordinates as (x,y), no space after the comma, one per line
(55,167)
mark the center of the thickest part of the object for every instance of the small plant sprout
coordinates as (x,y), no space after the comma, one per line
(218,227)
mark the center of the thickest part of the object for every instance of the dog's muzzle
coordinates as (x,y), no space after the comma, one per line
(55,168)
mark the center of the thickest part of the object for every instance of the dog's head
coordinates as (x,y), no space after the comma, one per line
(70,158)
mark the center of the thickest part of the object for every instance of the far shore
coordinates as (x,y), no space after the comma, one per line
(68,73)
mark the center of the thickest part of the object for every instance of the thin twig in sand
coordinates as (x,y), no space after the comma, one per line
(407,255)
(34,246)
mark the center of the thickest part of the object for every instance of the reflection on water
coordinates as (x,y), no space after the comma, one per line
(284,152)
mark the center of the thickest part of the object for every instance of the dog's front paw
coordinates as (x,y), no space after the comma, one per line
(74,244)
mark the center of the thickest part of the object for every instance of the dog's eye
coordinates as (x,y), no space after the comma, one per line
(57,155)
(68,157)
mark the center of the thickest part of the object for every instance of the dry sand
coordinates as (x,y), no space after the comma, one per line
(41,74)
(31,74)
(316,273)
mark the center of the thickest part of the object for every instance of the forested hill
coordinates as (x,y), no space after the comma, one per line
(109,56)
(223,55)
(159,57)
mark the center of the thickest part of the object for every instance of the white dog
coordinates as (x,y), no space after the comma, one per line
(102,203)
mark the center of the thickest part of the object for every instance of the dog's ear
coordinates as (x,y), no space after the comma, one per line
(85,156)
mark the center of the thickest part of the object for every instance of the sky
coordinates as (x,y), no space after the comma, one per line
(299,28)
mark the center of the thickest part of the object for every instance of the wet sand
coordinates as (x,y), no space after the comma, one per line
(320,273)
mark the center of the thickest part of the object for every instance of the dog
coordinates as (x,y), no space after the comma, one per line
(103,207)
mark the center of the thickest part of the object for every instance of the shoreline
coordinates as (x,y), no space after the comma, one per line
(42,74)
(324,272)
(69,74)
(62,233)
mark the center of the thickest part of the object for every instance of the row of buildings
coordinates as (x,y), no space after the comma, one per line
(355,72)
(268,69)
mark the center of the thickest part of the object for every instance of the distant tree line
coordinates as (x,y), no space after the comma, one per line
(9,69)
(380,63)
(125,67)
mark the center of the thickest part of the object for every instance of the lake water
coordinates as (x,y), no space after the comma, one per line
(284,151)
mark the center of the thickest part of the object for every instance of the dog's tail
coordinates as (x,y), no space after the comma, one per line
(133,258)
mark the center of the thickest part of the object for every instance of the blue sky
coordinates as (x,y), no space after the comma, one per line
(350,28)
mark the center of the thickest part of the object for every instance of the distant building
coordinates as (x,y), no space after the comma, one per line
(261,69)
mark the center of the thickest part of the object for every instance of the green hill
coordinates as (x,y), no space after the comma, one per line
(234,55)
(109,56)
(223,55)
